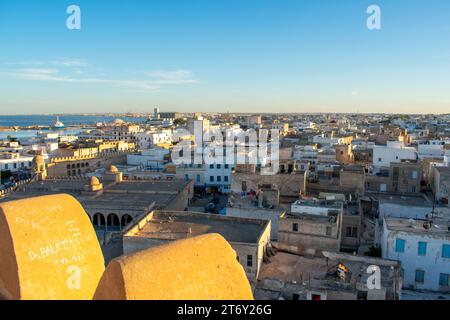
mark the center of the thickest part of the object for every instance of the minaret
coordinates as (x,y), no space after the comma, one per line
(39,167)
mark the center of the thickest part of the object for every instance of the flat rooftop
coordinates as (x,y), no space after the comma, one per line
(171,225)
(319,272)
(407,200)
(438,227)
(319,204)
(131,194)
(164,186)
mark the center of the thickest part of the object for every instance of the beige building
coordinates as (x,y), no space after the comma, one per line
(311,229)
(336,276)
(344,154)
(405,177)
(441,183)
(81,165)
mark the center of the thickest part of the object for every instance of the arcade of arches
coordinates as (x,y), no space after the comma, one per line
(111,220)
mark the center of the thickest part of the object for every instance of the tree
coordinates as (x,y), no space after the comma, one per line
(179,122)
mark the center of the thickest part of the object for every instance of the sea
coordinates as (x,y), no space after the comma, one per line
(49,120)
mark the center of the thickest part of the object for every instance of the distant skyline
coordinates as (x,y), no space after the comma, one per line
(255,56)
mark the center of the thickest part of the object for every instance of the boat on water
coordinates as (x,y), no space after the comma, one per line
(58,124)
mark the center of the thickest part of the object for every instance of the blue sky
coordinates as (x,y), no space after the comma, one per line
(224,55)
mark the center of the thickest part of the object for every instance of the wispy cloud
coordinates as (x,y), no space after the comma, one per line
(66,70)
(60,62)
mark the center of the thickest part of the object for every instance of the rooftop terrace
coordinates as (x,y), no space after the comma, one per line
(171,225)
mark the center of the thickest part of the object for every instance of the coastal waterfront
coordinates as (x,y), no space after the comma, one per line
(68,120)
(27,125)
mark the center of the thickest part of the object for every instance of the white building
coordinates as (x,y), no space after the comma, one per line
(305,154)
(10,146)
(15,162)
(218,176)
(423,249)
(394,152)
(149,139)
(151,159)
(317,208)
(198,127)
(431,150)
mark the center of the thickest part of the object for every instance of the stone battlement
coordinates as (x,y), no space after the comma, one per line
(103,155)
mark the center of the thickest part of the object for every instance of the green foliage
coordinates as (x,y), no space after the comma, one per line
(179,122)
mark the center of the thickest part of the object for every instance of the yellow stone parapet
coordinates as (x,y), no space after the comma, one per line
(48,250)
(199,268)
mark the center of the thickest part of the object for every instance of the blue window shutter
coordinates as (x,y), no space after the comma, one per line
(420,276)
(446,251)
(400,246)
(422,251)
(444,280)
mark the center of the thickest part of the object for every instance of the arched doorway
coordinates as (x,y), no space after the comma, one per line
(126,219)
(113,221)
(98,220)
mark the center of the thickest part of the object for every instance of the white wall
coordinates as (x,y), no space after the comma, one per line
(384,156)
(432,263)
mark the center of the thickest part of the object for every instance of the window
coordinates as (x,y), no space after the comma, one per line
(219,166)
(295,227)
(446,251)
(328,231)
(400,246)
(413,189)
(211,179)
(6,166)
(444,280)
(227,166)
(186,177)
(225,178)
(351,232)
(420,276)
(219,178)
(249,260)
(380,160)
(422,250)
(198,178)
(414,174)
(211,166)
